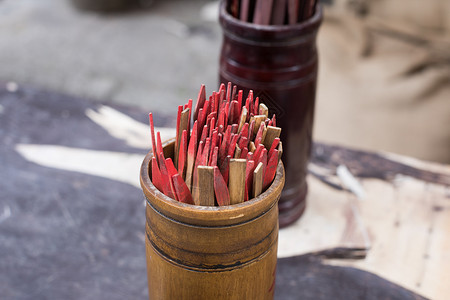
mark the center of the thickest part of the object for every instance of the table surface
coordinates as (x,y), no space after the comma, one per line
(376,225)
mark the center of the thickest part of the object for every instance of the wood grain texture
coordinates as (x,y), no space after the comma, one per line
(205,186)
(236,180)
(258,180)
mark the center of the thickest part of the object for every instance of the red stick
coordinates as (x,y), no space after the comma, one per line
(229,92)
(152,132)
(225,168)
(271,169)
(243,142)
(205,153)
(248,178)
(220,188)
(258,152)
(232,146)
(274,121)
(200,101)
(204,133)
(259,134)
(244,153)
(181,190)
(275,143)
(156,175)
(213,157)
(182,155)
(256,107)
(263,160)
(159,148)
(166,181)
(178,133)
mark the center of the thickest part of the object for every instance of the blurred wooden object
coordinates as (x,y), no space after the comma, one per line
(402,224)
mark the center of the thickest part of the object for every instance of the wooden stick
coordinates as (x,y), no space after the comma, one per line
(280,150)
(244,153)
(279,11)
(166,180)
(236,184)
(263,110)
(191,153)
(293,11)
(183,125)
(275,143)
(244,10)
(249,178)
(242,119)
(152,132)
(200,101)
(178,133)
(159,148)
(257,180)
(271,135)
(271,169)
(181,190)
(259,119)
(182,155)
(156,175)
(205,186)
(237,152)
(220,188)
(225,168)
(213,157)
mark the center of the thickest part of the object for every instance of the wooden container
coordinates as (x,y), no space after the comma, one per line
(279,63)
(199,252)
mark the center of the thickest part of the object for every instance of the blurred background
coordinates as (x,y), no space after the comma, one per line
(384,79)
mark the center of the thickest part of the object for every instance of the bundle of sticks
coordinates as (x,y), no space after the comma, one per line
(272,12)
(229,156)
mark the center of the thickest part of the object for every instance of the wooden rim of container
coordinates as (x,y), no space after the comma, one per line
(270,35)
(210,215)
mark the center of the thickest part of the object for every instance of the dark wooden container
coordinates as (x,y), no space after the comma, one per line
(279,63)
(199,252)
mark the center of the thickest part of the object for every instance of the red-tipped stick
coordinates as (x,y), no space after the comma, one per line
(257,180)
(225,167)
(152,132)
(245,5)
(248,178)
(191,153)
(225,143)
(159,148)
(256,106)
(233,93)
(271,169)
(220,188)
(181,189)
(171,167)
(182,155)
(278,12)
(200,101)
(178,133)
(242,119)
(213,157)
(213,142)
(232,146)
(205,153)
(229,92)
(195,174)
(244,153)
(274,121)
(293,11)
(275,143)
(204,134)
(244,131)
(166,189)
(259,134)
(263,159)
(243,142)
(258,152)
(156,175)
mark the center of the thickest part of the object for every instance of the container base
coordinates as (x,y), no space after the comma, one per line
(292,205)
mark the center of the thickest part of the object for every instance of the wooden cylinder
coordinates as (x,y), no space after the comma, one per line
(279,63)
(199,252)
